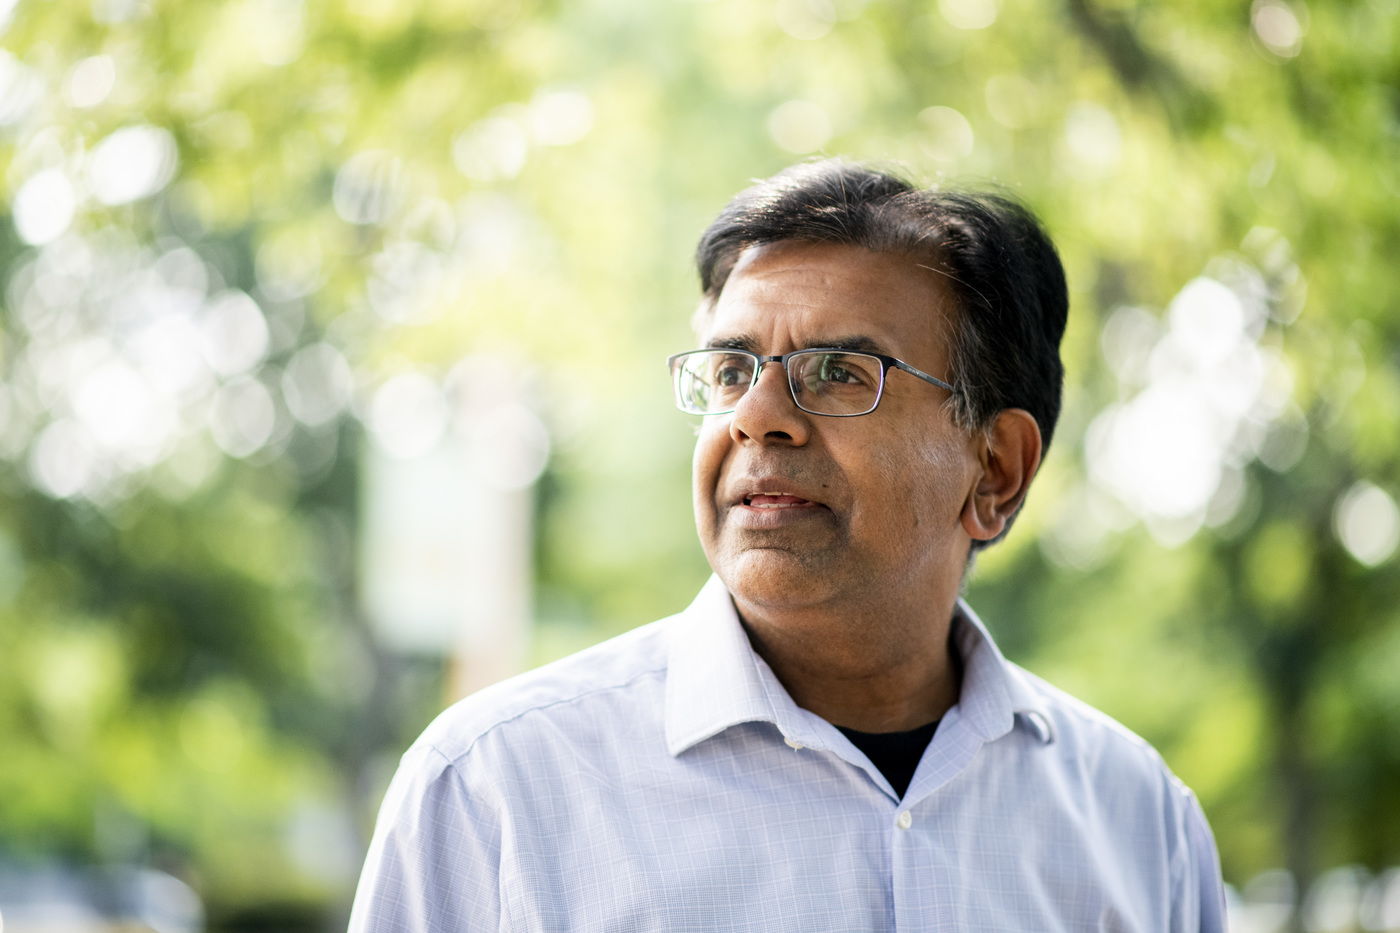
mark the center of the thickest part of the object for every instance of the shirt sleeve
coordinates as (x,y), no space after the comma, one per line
(434,862)
(1210,888)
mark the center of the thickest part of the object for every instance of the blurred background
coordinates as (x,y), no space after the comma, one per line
(332,386)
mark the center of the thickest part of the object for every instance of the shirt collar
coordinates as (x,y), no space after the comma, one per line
(995,693)
(714,681)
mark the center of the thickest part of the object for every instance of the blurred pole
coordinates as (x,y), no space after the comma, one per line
(493,640)
(447,548)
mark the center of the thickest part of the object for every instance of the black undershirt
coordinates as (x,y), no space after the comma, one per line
(896,754)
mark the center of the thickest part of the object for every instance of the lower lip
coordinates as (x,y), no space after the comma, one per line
(748,516)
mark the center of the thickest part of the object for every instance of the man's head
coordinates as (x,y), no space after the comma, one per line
(966,288)
(1000,268)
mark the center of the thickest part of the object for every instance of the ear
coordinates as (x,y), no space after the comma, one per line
(1009,459)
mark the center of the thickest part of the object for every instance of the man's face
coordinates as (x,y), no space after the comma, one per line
(795,509)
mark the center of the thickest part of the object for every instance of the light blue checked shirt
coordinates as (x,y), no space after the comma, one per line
(666,781)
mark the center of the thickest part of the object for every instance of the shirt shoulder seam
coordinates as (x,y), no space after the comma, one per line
(539,707)
(1058,700)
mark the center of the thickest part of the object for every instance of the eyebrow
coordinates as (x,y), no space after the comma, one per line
(740,342)
(856,343)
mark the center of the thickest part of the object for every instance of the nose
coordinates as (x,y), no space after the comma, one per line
(767,414)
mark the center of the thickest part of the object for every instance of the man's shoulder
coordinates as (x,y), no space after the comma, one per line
(621,664)
(1094,739)
(1079,717)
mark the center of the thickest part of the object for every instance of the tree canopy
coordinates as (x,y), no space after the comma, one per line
(232,226)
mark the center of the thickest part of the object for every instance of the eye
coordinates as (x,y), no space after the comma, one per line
(844,369)
(733,371)
(728,376)
(833,371)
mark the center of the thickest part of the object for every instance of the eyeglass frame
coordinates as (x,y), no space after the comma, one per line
(886,364)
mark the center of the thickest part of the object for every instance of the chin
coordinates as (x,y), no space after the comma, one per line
(774,578)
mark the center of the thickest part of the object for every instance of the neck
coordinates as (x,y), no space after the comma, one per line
(874,669)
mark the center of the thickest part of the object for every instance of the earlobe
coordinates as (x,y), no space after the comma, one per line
(1010,457)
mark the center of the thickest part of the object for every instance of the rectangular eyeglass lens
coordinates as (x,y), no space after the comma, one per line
(715,380)
(835,383)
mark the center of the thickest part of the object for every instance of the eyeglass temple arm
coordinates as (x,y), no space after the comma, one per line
(900,364)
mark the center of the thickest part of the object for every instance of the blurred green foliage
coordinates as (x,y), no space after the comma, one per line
(184,675)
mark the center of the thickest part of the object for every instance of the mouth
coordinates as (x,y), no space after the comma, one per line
(776,500)
(769,505)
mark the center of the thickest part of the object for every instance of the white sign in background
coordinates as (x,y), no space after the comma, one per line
(448,511)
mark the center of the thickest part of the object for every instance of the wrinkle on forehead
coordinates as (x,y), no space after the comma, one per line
(794,276)
(856,343)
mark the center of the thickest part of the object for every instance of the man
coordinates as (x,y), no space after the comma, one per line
(827,739)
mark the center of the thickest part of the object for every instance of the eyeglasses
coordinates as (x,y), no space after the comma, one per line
(823,381)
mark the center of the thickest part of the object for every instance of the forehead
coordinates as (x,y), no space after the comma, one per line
(812,294)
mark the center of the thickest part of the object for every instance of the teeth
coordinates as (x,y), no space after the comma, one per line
(749,500)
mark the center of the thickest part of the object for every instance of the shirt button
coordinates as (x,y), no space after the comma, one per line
(792,743)
(906,819)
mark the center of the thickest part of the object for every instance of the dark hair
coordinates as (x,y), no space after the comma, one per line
(997,261)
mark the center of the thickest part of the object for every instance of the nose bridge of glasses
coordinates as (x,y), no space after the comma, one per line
(761,364)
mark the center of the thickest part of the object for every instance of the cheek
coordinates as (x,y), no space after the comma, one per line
(711,449)
(924,483)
